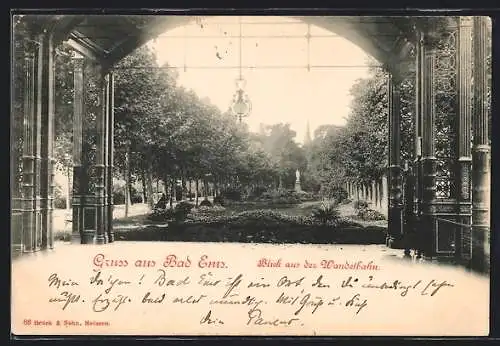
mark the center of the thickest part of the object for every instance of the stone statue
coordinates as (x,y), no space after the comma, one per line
(297,175)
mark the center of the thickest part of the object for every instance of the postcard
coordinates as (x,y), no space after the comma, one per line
(177,175)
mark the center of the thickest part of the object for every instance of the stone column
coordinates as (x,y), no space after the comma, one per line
(463,130)
(80,179)
(419,110)
(428,226)
(384,202)
(90,139)
(395,180)
(31,210)
(105,106)
(16,137)
(418,118)
(45,98)
(480,153)
(110,133)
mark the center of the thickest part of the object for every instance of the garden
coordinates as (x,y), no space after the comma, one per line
(279,217)
(252,174)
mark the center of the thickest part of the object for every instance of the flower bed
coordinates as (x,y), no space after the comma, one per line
(259,226)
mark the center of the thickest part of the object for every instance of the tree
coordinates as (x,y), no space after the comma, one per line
(359,152)
(278,141)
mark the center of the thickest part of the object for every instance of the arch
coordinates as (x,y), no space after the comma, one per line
(109,38)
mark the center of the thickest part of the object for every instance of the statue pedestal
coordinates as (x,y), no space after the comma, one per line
(298,188)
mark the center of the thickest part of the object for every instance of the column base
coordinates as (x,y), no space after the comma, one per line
(111,237)
(88,237)
(480,261)
(100,239)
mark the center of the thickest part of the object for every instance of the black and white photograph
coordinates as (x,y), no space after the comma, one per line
(250,174)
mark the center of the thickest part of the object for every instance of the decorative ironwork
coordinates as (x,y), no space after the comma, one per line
(407,108)
(466,184)
(489,80)
(445,236)
(446,97)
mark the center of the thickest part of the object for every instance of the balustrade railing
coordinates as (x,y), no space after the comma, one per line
(453,238)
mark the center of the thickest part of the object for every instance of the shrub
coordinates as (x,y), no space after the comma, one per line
(135,196)
(206,203)
(182,209)
(62,236)
(281,196)
(332,191)
(59,202)
(219,200)
(162,215)
(339,194)
(59,198)
(305,196)
(370,215)
(346,201)
(205,210)
(360,204)
(327,211)
(118,197)
(259,226)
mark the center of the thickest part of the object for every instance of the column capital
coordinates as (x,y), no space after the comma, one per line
(30,45)
(435,29)
(465,21)
(77,59)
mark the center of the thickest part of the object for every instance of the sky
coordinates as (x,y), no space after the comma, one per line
(279,85)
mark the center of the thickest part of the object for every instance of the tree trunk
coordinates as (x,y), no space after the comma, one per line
(127,183)
(196,192)
(145,194)
(172,192)
(149,187)
(205,189)
(183,188)
(189,190)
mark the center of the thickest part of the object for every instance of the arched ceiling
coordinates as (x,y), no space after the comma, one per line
(109,38)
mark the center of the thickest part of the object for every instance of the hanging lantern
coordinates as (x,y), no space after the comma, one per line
(241,106)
